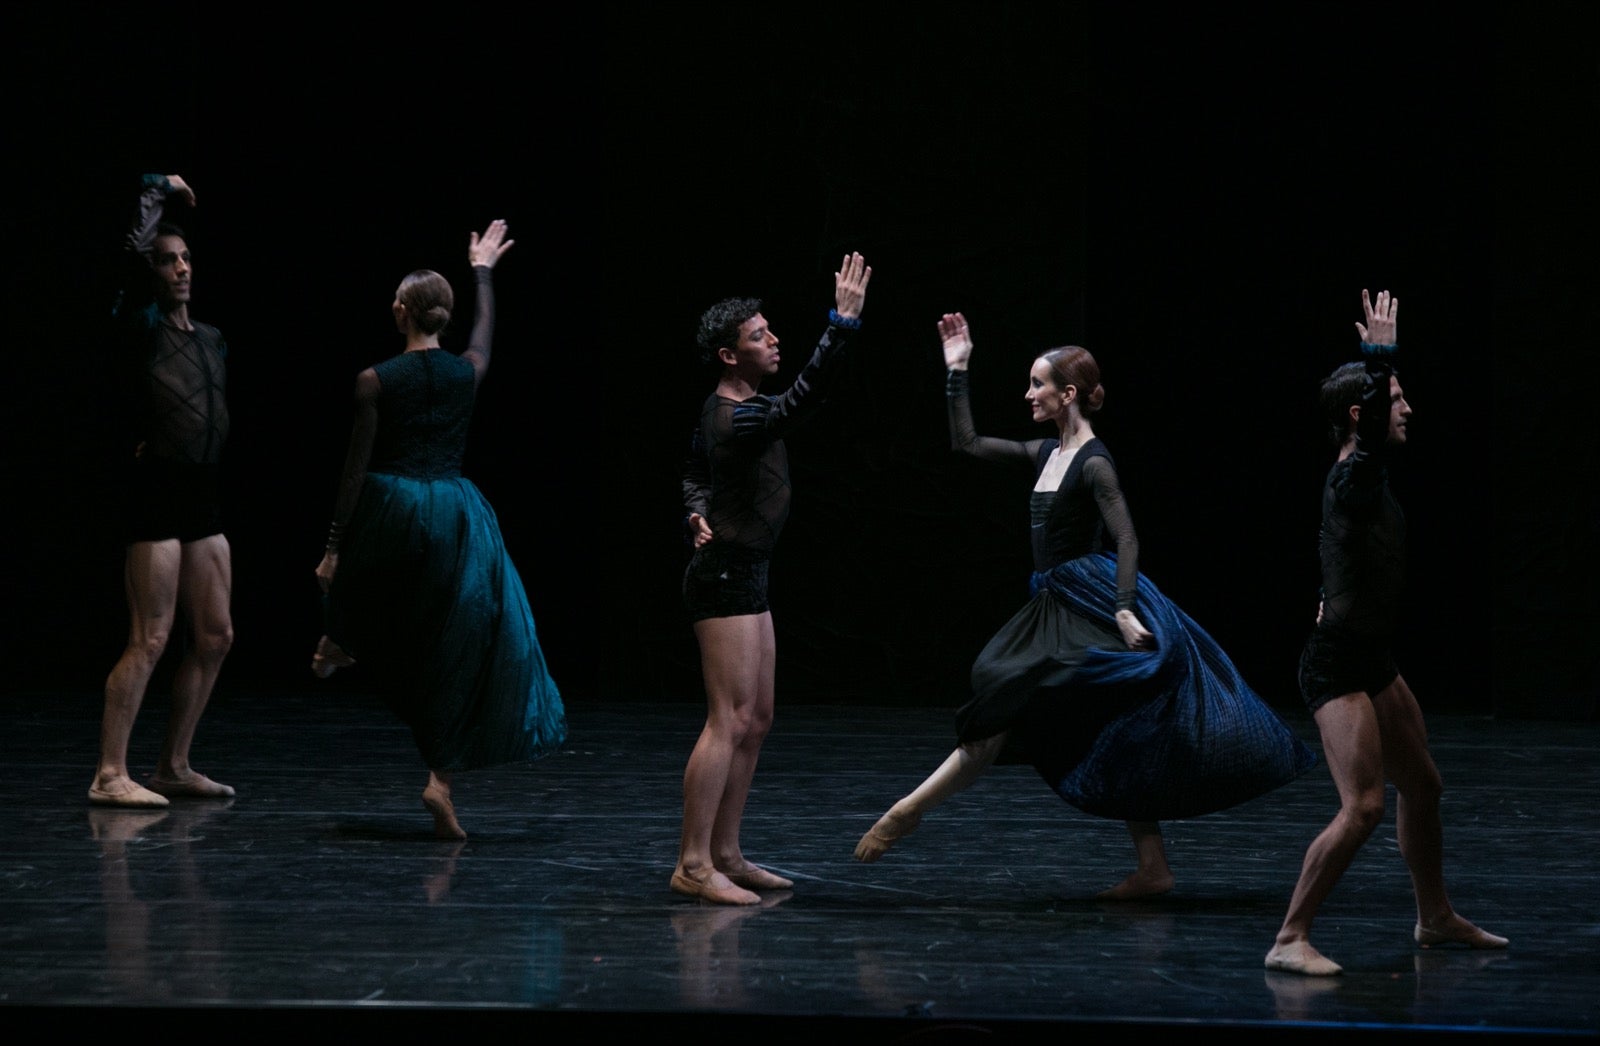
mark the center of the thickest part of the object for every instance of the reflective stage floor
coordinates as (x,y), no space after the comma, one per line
(318,899)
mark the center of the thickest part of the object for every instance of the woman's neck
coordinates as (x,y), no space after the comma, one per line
(416,341)
(1075,432)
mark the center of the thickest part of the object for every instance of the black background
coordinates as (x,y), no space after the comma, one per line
(1198,196)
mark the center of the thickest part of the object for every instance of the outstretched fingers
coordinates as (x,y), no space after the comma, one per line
(850,284)
(490,246)
(956,338)
(1382,315)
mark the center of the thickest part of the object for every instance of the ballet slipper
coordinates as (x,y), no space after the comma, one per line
(192,785)
(1137,885)
(753,877)
(437,802)
(891,828)
(329,658)
(134,795)
(1458,931)
(711,890)
(1300,957)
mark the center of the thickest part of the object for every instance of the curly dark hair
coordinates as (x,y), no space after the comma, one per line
(719,325)
(1340,391)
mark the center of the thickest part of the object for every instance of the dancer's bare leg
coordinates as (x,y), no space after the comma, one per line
(735,662)
(1153,876)
(959,769)
(436,800)
(150,581)
(1408,763)
(205,588)
(726,853)
(1353,749)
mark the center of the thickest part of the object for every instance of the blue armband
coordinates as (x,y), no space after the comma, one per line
(1368,349)
(839,321)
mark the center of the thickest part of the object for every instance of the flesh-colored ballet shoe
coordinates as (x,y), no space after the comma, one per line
(890,829)
(136,796)
(195,786)
(1137,886)
(1302,959)
(730,894)
(329,658)
(1466,935)
(753,877)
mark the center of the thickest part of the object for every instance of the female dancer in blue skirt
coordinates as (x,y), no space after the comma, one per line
(418,584)
(1124,705)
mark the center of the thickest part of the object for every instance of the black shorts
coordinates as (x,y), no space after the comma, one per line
(170,499)
(1332,665)
(725,581)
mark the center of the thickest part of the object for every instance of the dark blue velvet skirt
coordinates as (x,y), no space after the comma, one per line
(428,602)
(1136,735)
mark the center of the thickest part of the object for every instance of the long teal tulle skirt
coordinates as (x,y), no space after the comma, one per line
(1137,735)
(428,602)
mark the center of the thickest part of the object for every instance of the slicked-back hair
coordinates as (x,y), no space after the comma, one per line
(428,300)
(1075,365)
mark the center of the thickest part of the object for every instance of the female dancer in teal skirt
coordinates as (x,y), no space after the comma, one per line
(417,581)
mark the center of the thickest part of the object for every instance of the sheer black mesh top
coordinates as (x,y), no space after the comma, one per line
(1363,530)
(1077,517)
(183,412)
(180,411)
(737,473)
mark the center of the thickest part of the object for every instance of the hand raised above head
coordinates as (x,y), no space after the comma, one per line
(485,250)
(957,340)
(1382,317)
(176,186)
(850,285)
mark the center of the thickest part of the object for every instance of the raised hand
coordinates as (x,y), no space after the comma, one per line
(957,340)
(179,187)
(1381,316)
(850,286)
(485,250)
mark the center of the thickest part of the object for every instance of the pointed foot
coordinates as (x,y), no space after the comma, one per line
(890,829)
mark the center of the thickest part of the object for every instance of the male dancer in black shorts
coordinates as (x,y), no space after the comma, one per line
(176,554)
(1370,723)
(736,492)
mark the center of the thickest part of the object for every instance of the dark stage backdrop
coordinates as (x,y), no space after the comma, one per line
(1198,198)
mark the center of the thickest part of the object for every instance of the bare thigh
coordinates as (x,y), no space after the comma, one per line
(206,584)
(738,657)
(1406,759)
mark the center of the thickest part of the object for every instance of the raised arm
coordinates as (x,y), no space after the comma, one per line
(957,341)
(483,252)
(133,292)
(357,455)
(772,416)
(1379,348)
